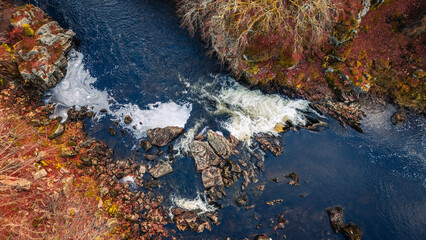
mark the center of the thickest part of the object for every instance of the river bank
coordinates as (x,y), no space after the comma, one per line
(342,56)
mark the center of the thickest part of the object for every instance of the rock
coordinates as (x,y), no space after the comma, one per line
(235,167)
(242,201)
(220,144)
(40,174)
(262,237)
(57,131)
(128,119)
(68,152)
(352,232)
(294,179)
(46,54)
(273,202)
(161,169)
(399,117)
(150,157)
(199,137)
(204,156)
(213,194)
(162,136)
(146,145)
(112,131)
(270,142)
(13,182)
(211,177)
(335,215)
(86,161)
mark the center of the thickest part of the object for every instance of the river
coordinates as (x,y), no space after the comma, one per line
(133,58)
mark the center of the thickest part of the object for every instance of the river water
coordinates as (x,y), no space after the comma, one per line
(134,58)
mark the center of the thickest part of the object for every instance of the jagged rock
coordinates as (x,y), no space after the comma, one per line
(13,182)
(270,142)
(57,131)
(294,179)
(40,174)
(335,215)
(213,194)
(162,136)
(112,131)
(211,177)
(220,144)
(204,156)
(161,169)
(352,232)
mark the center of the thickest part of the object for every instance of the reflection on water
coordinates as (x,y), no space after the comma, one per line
(137,52)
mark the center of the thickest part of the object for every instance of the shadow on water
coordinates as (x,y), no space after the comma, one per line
(138,52)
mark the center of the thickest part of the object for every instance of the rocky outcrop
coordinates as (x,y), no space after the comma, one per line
(270,142)
(162,136)
(41,47)
(204,156)
(220,144)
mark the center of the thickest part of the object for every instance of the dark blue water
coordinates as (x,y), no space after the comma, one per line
(137,51)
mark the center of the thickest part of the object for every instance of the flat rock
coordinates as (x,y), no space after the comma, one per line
(40,174)
(14,182)
(161,169)
(204,156)
(220,144)
(162,136)
(211,177)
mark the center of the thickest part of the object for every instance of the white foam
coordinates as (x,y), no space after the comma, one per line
(76,89)
(254,112)
(156,115)
(197,204)
(128,179)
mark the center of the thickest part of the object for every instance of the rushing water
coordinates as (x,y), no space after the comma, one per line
(133,58)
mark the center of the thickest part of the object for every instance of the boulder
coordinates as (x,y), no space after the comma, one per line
(162,136)
(13,182)
(220,144)
(352,232)
(161,169)
(204,156)
(211,177)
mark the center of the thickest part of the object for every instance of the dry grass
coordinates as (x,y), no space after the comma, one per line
(43,211)
(229,26)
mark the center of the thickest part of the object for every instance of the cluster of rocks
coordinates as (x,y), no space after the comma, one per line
(42,50)
(350,231)
(190,220)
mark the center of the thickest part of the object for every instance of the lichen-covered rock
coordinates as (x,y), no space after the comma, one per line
(40,174)
(57,130)
(211,177)
(42,55)
(204,156)
(220,144)
(162,136)
(161,169)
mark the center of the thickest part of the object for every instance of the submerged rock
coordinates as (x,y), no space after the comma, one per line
(399,117)
(161,169)
(242,201)
(220,144)
(146,145)
(162,136)
(352,232)
(204,156)
(211,177)
(270,142)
